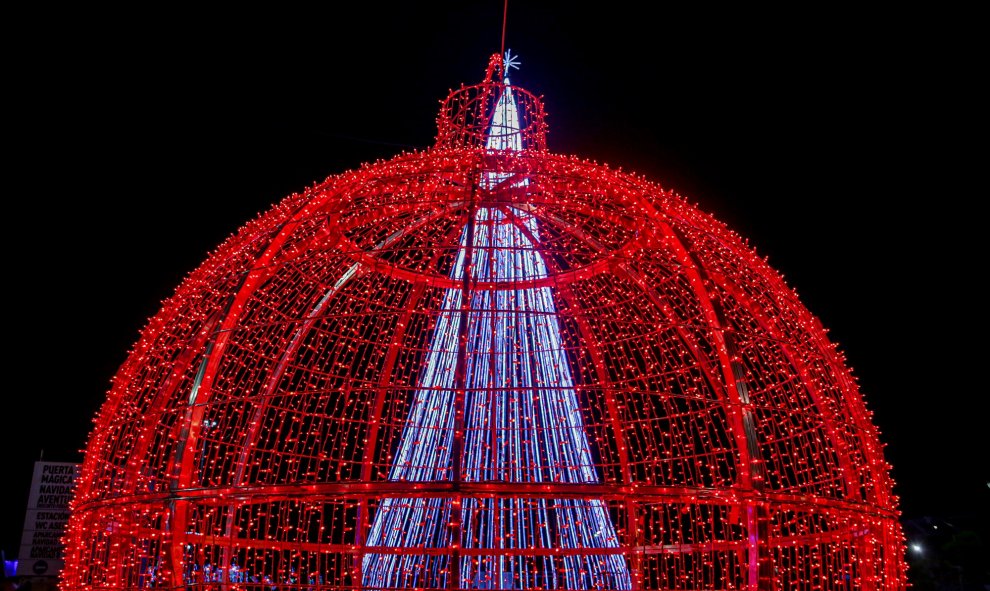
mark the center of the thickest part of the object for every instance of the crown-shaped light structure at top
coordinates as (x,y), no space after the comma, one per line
(468,115)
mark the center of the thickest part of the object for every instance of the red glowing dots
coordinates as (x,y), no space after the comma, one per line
(690,421)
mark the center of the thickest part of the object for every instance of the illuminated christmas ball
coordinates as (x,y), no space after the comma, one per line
(484,366)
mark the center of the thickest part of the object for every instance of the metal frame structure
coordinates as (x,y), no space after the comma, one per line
(484,366)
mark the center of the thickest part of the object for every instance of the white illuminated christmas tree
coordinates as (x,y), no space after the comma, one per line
(522,424)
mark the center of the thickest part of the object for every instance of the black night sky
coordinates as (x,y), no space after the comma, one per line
(835,141)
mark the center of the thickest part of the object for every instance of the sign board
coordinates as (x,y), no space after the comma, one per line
(46,518)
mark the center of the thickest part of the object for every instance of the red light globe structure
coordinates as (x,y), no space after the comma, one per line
(484,366)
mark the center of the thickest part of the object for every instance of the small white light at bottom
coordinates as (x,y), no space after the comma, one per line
(916,548)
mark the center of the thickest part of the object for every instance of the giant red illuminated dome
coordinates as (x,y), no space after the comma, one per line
(484,366)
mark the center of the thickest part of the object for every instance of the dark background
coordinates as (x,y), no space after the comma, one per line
(836,141)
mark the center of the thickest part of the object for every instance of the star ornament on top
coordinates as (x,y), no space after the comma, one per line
(510,61)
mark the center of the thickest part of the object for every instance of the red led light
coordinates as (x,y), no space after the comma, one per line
(251,439)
